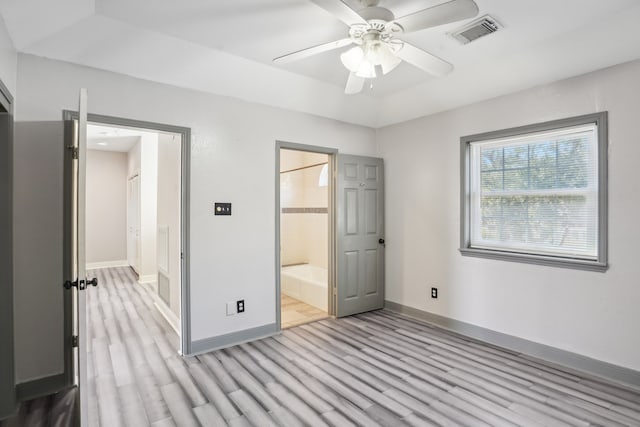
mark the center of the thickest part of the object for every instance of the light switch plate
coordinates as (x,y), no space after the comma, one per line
(222,208)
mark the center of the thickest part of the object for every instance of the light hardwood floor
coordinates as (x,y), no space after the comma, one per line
(295,312)
(373,369)
(50,411)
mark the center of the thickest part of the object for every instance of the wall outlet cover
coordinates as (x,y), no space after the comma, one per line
(240,306)
(434,292)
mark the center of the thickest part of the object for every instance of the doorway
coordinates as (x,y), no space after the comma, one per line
(354,229)
(133,215)
(305,230)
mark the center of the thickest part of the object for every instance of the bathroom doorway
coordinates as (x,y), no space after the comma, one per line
(305,219)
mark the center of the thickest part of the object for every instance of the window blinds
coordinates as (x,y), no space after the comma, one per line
(536,193)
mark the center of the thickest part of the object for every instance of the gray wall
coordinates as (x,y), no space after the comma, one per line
(232,160)
(589,313)
(106,207)
(38,275)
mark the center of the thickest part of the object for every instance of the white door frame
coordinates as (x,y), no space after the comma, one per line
(133,256)
(185,134)
(331,285)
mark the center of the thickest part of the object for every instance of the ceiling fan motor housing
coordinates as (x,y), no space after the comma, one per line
(376,13)
(369,3)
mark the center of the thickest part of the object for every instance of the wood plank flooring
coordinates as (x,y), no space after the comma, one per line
(49,411)
(295,312)
(374,369)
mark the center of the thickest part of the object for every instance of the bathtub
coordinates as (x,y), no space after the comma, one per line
(306,283)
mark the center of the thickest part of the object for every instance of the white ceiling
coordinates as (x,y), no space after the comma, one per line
(226,47)
(108,138)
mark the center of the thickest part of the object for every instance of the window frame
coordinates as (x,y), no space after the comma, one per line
(600,264)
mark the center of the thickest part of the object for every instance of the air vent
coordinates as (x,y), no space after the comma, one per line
(476,29)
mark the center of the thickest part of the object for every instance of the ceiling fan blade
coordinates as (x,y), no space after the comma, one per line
(340,10)
(354,84)
(445,13)
(310,51)
(424,60)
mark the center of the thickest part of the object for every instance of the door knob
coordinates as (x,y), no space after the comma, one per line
(69,284)
(93,282)
(381,241)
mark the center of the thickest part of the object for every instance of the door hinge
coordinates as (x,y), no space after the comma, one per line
(74,152)
(74,341)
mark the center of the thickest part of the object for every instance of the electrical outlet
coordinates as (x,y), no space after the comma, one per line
(434,292)
(240,306)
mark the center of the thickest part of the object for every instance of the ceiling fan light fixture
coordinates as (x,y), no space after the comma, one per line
(375,31)
(363,60)
(352,59)
(390,65)
(386,58)
(366,70)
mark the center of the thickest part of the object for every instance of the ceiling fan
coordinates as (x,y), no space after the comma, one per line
(374,30)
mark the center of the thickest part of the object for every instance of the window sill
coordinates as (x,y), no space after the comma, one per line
(577,264)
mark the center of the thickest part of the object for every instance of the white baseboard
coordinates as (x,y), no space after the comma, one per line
(169,315)
(164,309)
(149,278)
(107,264)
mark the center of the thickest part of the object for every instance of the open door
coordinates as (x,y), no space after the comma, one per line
(75,262)
(7,369)
(360,234)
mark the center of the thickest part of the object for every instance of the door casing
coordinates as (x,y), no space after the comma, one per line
(331,153)
(185,134)
(133,223)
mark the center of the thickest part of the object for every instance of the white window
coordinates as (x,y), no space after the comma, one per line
(537,193)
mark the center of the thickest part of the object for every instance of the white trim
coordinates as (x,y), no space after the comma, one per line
(107,264)
(164,310)
(149,278)
(169,315)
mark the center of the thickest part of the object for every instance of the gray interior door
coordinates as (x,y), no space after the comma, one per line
(7,369)
(74,245)
(85,282)
(360,234)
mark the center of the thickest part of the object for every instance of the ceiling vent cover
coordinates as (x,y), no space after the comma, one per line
(474,30)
